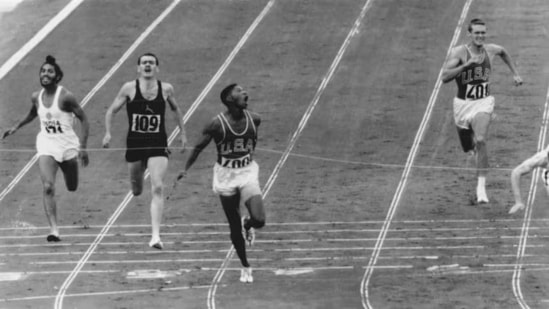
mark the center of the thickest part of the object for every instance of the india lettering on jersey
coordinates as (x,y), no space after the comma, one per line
(235,149)
(52,119)
(473,82)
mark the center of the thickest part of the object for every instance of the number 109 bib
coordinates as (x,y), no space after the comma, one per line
(145,123)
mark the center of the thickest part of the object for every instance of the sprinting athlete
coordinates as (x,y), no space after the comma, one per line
(540,159)
(57,144)
(235,174)
(470,65)
(146,99)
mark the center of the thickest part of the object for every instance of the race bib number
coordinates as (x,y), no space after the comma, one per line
(478,91)
(236,162)
(52,126)
(145,123)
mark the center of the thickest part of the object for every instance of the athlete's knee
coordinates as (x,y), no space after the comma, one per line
(259,223)
(157,190)
(480,140)
(49,188)
(72,186)
(137,189)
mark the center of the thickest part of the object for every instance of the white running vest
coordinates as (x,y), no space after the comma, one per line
(56,125)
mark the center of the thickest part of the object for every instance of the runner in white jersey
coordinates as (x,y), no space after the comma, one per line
(540,159)
(470,65)
(235,174)
(57,144)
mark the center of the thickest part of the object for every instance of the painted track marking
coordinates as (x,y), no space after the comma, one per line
(301,223)
(409,162)
(38,37)
(517,291)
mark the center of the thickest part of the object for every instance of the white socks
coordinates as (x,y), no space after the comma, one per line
(481,190)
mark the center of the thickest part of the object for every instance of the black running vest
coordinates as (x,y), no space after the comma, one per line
(146,120)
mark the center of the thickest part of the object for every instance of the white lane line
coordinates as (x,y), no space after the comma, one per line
(38,37)
(517,291)
(194,106)
(155,290)
(87,98)
(475,271)
(224,224)
(285,242)
(286,250)
(150,262)
(411,238)
(301,126)
(409,162)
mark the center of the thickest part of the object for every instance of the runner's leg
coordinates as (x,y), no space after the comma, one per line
(48,169)
(480,125)
(70,173)
(231,206)
(158,167)
(137,172)
(257,212)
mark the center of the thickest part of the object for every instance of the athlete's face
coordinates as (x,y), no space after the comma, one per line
(47,75)
(478,34)
(240,97)
(147,66)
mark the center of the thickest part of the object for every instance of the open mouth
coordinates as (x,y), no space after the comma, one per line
(246,98)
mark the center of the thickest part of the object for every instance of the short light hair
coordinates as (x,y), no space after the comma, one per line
(475,21)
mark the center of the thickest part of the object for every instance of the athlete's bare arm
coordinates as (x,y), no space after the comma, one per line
(121,99)
(170,98)
(70,105)
(538,160)
(456,63)
(256,118)
(211,131)
(504,55)
(33,112)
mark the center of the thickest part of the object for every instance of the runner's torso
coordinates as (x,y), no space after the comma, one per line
(55,124)
(146,120)
(473,82)
(236,149)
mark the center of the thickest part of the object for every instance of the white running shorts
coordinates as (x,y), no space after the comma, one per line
(59,150)
(465,111)
(230,181)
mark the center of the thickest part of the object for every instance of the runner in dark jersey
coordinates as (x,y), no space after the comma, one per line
(235,176)
(471,65)
(145,100)
(147,133)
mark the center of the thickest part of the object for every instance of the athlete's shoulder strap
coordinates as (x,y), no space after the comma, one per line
(221,117)
(251,119)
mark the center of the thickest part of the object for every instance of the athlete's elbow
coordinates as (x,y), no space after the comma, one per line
(446,79)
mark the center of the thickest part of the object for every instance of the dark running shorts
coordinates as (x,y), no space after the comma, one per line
(143,154)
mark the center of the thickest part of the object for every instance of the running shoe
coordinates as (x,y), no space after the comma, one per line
(246,275)
(156,243)
(53,238)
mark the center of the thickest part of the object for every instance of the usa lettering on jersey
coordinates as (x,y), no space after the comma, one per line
(238,145)
(475,74)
